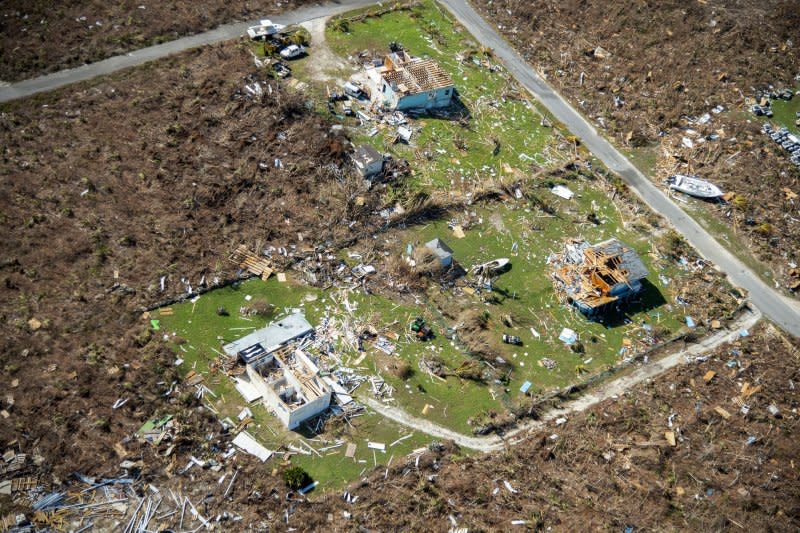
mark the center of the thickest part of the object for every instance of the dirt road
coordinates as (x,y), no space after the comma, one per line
(325,61)
(784,312)
(608,390)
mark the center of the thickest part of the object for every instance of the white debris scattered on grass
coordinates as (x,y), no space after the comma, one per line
(563,192)
(376,446)
(246,442)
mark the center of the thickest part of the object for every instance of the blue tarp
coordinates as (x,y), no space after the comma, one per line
(525,387)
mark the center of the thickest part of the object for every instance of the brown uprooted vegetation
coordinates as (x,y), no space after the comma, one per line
(161,172)
(110,186)
(641,70)
(38,37)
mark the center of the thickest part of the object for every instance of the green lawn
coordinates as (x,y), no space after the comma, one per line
(447,397)
(205,332)
(445,153)
(531,301)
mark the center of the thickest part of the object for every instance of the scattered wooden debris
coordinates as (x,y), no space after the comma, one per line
(258,265)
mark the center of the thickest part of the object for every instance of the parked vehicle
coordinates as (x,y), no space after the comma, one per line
(354,91)
(293,51)
(347,109)
(281,70)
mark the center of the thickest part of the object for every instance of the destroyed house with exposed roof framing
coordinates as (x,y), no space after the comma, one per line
(592,278)
(403,82)
(284,376)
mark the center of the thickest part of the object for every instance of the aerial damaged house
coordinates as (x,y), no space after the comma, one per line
(404,82)
(281,374)
(290,385)
(593,278)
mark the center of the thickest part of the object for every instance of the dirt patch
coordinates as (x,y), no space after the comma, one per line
(38,37)
(647,73)
(324,62)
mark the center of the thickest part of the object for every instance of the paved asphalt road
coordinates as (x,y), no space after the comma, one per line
(778,308)
(143,55)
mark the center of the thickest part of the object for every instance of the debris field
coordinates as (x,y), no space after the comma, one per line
(166,224)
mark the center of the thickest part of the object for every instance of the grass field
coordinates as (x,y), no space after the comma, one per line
(504,124)
(526,291)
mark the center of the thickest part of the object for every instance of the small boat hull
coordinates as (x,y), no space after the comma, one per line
(693,186)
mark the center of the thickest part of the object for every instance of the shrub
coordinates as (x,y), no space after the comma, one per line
(765,229)
(341,25)
(296,478)
(300,37)
(262,308)
(740,202)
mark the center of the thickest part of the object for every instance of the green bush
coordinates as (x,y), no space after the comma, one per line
(296,478)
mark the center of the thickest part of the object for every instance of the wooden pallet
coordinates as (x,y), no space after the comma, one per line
(247,260)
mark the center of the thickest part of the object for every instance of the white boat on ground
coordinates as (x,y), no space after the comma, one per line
(265,29)
(491,267)
(693,186)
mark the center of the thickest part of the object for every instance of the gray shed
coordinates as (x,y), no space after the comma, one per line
(368,161)
(441,250)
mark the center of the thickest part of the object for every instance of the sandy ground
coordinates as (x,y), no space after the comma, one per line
(324,65)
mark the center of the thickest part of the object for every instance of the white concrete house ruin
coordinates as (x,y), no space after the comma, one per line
(283,376)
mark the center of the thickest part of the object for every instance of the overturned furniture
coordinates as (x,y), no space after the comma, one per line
(593,278)
(405,82)
(280,373)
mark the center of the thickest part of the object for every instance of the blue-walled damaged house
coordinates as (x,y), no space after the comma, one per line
(403,82)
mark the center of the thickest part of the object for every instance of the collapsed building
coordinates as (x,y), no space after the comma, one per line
(404,82)
(281,374)
(594,278)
